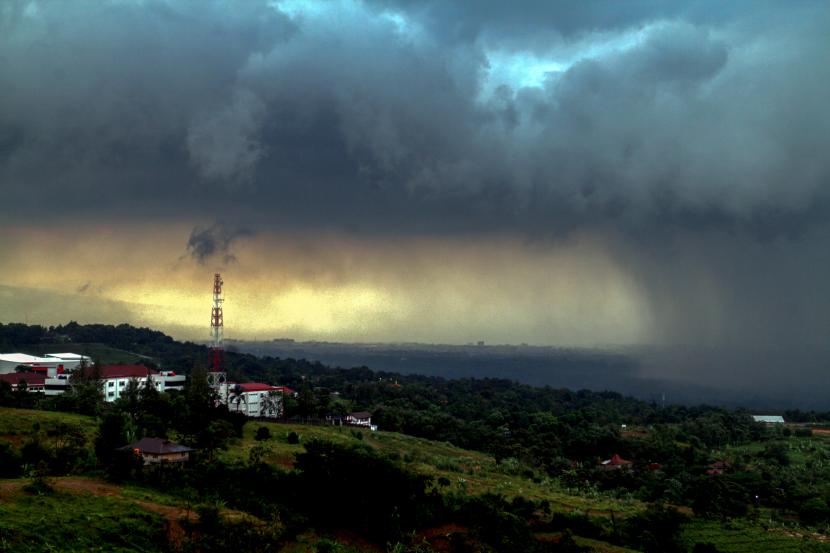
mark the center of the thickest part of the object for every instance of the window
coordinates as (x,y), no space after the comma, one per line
(111,394)
(110,384)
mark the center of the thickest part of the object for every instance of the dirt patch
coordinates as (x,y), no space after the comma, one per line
(86,485)
(804,535)
(174,516)
(15,439)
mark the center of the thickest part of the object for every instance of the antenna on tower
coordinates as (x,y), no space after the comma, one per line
(216,376)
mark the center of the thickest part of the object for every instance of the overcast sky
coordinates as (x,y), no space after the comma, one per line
(571,173)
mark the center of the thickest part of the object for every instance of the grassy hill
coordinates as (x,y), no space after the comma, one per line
(108,517)
(467,471)
(98,352)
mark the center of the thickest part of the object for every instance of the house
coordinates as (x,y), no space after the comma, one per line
(254,399)
(718,467)
(768,419)
(159,451)
(360,418)
(615,463)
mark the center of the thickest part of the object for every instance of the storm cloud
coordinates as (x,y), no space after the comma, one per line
(688,136)
(214,243)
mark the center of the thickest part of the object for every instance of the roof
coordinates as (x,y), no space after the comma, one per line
(254,387)
(616,460)
(32,379)
(768,418)
(158,446)
(360,415)
(123,371)
(68,356)
(25,358)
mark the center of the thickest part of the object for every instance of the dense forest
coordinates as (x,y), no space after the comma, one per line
(675,456)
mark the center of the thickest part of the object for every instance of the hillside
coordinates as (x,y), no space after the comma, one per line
(152,517)
(475,454)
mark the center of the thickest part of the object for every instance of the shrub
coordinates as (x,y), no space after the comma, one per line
(262,433)
(814,511)
(293,438)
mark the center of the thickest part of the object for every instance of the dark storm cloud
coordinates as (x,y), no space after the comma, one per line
(206,244)
(364,118)
(678,129)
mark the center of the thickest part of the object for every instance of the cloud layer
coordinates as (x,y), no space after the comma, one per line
(688,136)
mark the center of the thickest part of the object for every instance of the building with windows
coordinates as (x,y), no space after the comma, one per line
(254,399)
(116,378)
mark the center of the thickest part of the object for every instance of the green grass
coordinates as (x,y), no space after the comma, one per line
(98,352)
(72,522)
(748,537)
(467,471)
(19,425)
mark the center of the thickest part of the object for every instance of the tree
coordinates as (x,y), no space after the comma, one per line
(85,395)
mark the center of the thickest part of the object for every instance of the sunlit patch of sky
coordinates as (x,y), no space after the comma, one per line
(518,69)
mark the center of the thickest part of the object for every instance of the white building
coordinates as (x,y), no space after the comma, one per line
(116,378)
(254,399)
(360,418)
(768,419)
(71,360)
(52,363)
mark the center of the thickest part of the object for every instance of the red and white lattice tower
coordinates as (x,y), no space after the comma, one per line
(217,377)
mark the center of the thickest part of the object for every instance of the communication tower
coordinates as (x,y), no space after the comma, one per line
(217,377)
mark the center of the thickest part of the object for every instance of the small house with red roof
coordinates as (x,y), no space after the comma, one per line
(158,451)
(616,463)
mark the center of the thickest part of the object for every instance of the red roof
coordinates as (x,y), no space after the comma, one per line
(256,387)
(283,389)
(125,371)
(158,446)
(32,379)
(616,460)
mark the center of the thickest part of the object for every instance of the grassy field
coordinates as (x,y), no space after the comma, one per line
(459,470)
(98,352)
(745,537)
(19,425)
(76,522)
(467,471)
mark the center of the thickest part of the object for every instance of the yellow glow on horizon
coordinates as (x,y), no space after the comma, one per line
(326,287)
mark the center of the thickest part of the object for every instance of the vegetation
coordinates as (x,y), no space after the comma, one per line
(461,465)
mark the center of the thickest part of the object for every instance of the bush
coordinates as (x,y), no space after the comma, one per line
(262,433)
(9,462)
(814,511)
(705,548)
(293,438)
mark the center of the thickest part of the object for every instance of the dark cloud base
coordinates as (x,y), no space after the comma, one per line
(689,135)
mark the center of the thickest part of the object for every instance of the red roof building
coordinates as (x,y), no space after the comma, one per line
(256,387)
(34,381)
(124,371)
(616,462)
